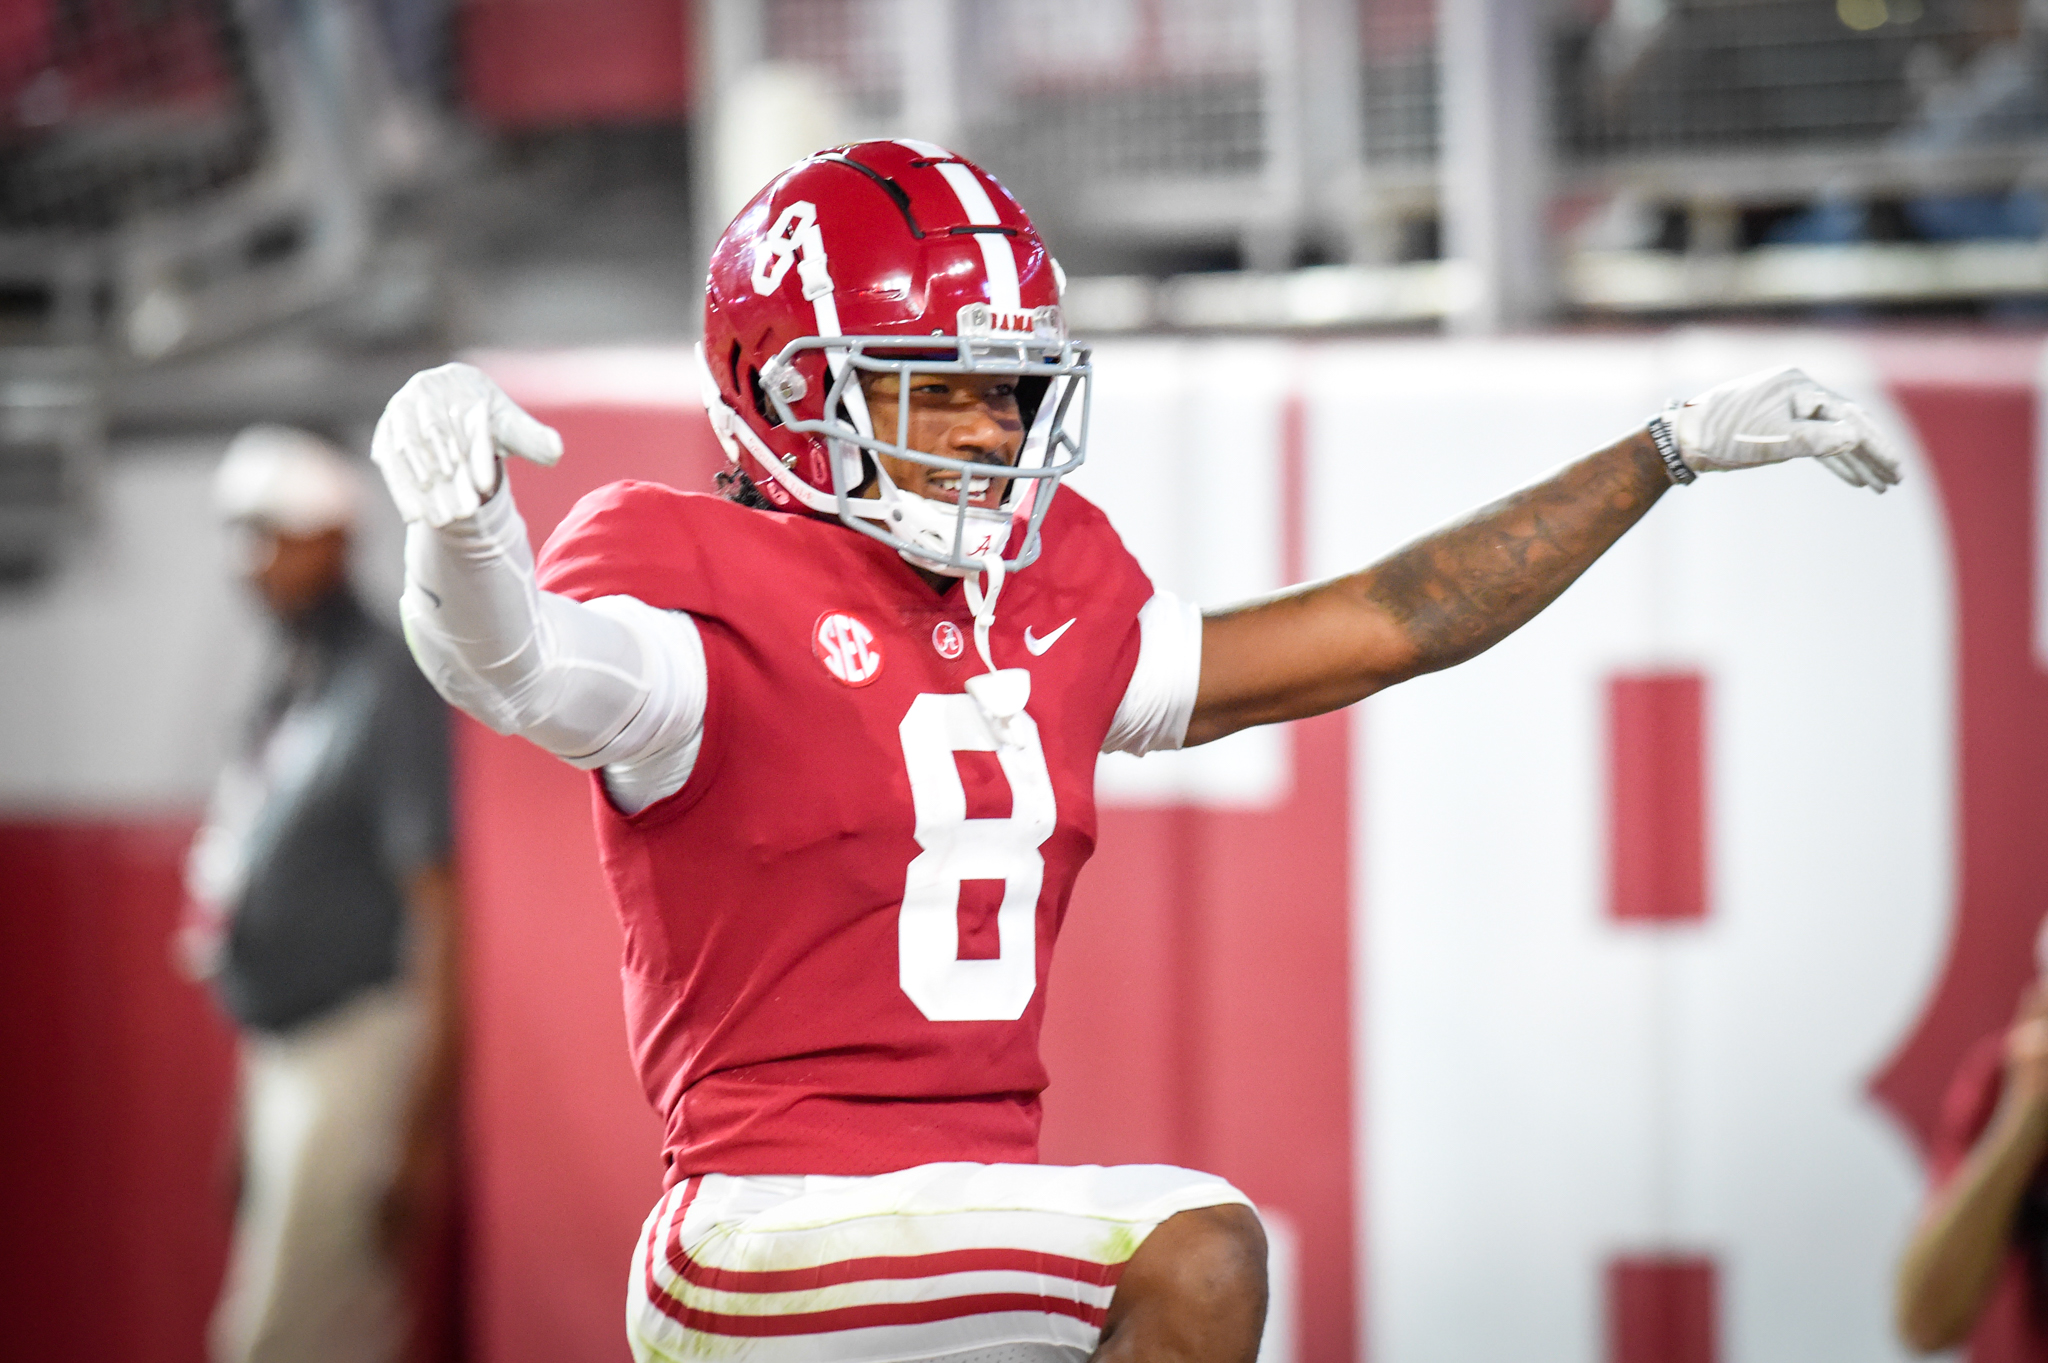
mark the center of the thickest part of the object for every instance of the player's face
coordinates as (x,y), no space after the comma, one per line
(972,417)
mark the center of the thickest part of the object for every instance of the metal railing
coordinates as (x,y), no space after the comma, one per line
(108,112)
(178,172)
(173,174)
(1156,135)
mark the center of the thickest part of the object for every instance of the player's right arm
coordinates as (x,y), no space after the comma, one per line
(1461,589)
(1959,1248)
(612,683)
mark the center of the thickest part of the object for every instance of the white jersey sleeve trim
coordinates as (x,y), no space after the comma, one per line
(1161,697)
(612,683)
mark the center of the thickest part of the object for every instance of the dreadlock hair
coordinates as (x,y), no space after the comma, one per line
(734,485)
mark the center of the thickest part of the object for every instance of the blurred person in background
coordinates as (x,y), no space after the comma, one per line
(1979,1257)
(322,906)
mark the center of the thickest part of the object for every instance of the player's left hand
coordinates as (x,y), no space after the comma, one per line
(1779,414)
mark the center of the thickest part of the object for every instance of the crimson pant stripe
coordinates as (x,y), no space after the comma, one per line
(874,1268)
(656,1293)
(874,1314)
(888,1267)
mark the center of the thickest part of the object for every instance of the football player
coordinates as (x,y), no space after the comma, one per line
(845,719)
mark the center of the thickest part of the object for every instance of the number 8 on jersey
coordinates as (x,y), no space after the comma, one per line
(956,849)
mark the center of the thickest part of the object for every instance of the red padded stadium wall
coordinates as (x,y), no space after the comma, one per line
(116,1075)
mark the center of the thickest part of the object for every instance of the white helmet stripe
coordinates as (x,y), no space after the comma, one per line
(998,257)
(974,200)
(825,308)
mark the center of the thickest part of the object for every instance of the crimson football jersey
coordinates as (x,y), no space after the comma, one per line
(837,933)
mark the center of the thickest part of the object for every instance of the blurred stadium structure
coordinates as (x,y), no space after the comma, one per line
(184,172)
(176,175)
(1662,155)
(180,172)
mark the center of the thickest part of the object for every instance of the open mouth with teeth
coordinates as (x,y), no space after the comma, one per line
(984,492)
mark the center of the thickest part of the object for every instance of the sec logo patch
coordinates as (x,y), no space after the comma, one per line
(948,640)
(846,647)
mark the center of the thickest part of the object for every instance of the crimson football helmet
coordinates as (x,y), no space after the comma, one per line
(890,257)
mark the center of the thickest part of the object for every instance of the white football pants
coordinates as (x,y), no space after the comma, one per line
(947,1263)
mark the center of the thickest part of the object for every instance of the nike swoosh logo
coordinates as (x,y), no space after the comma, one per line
(1039,646)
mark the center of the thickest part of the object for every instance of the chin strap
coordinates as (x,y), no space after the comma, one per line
(984,605)
(999,692)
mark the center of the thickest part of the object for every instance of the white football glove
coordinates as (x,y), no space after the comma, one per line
(440,438)
(1779,414)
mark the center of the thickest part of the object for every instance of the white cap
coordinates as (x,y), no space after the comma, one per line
(286,478)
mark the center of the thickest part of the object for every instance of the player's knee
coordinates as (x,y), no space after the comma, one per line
(1195,1292)
(1230,1253)
(1215,1256)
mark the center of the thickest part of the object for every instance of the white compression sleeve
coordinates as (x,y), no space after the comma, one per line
(612,683)
(654,754)
(1160,700)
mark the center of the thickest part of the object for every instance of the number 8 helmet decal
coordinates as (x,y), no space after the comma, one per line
(889,258)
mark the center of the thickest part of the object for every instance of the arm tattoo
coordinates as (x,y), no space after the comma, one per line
(1462,589)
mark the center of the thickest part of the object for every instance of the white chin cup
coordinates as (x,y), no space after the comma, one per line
(927,528)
